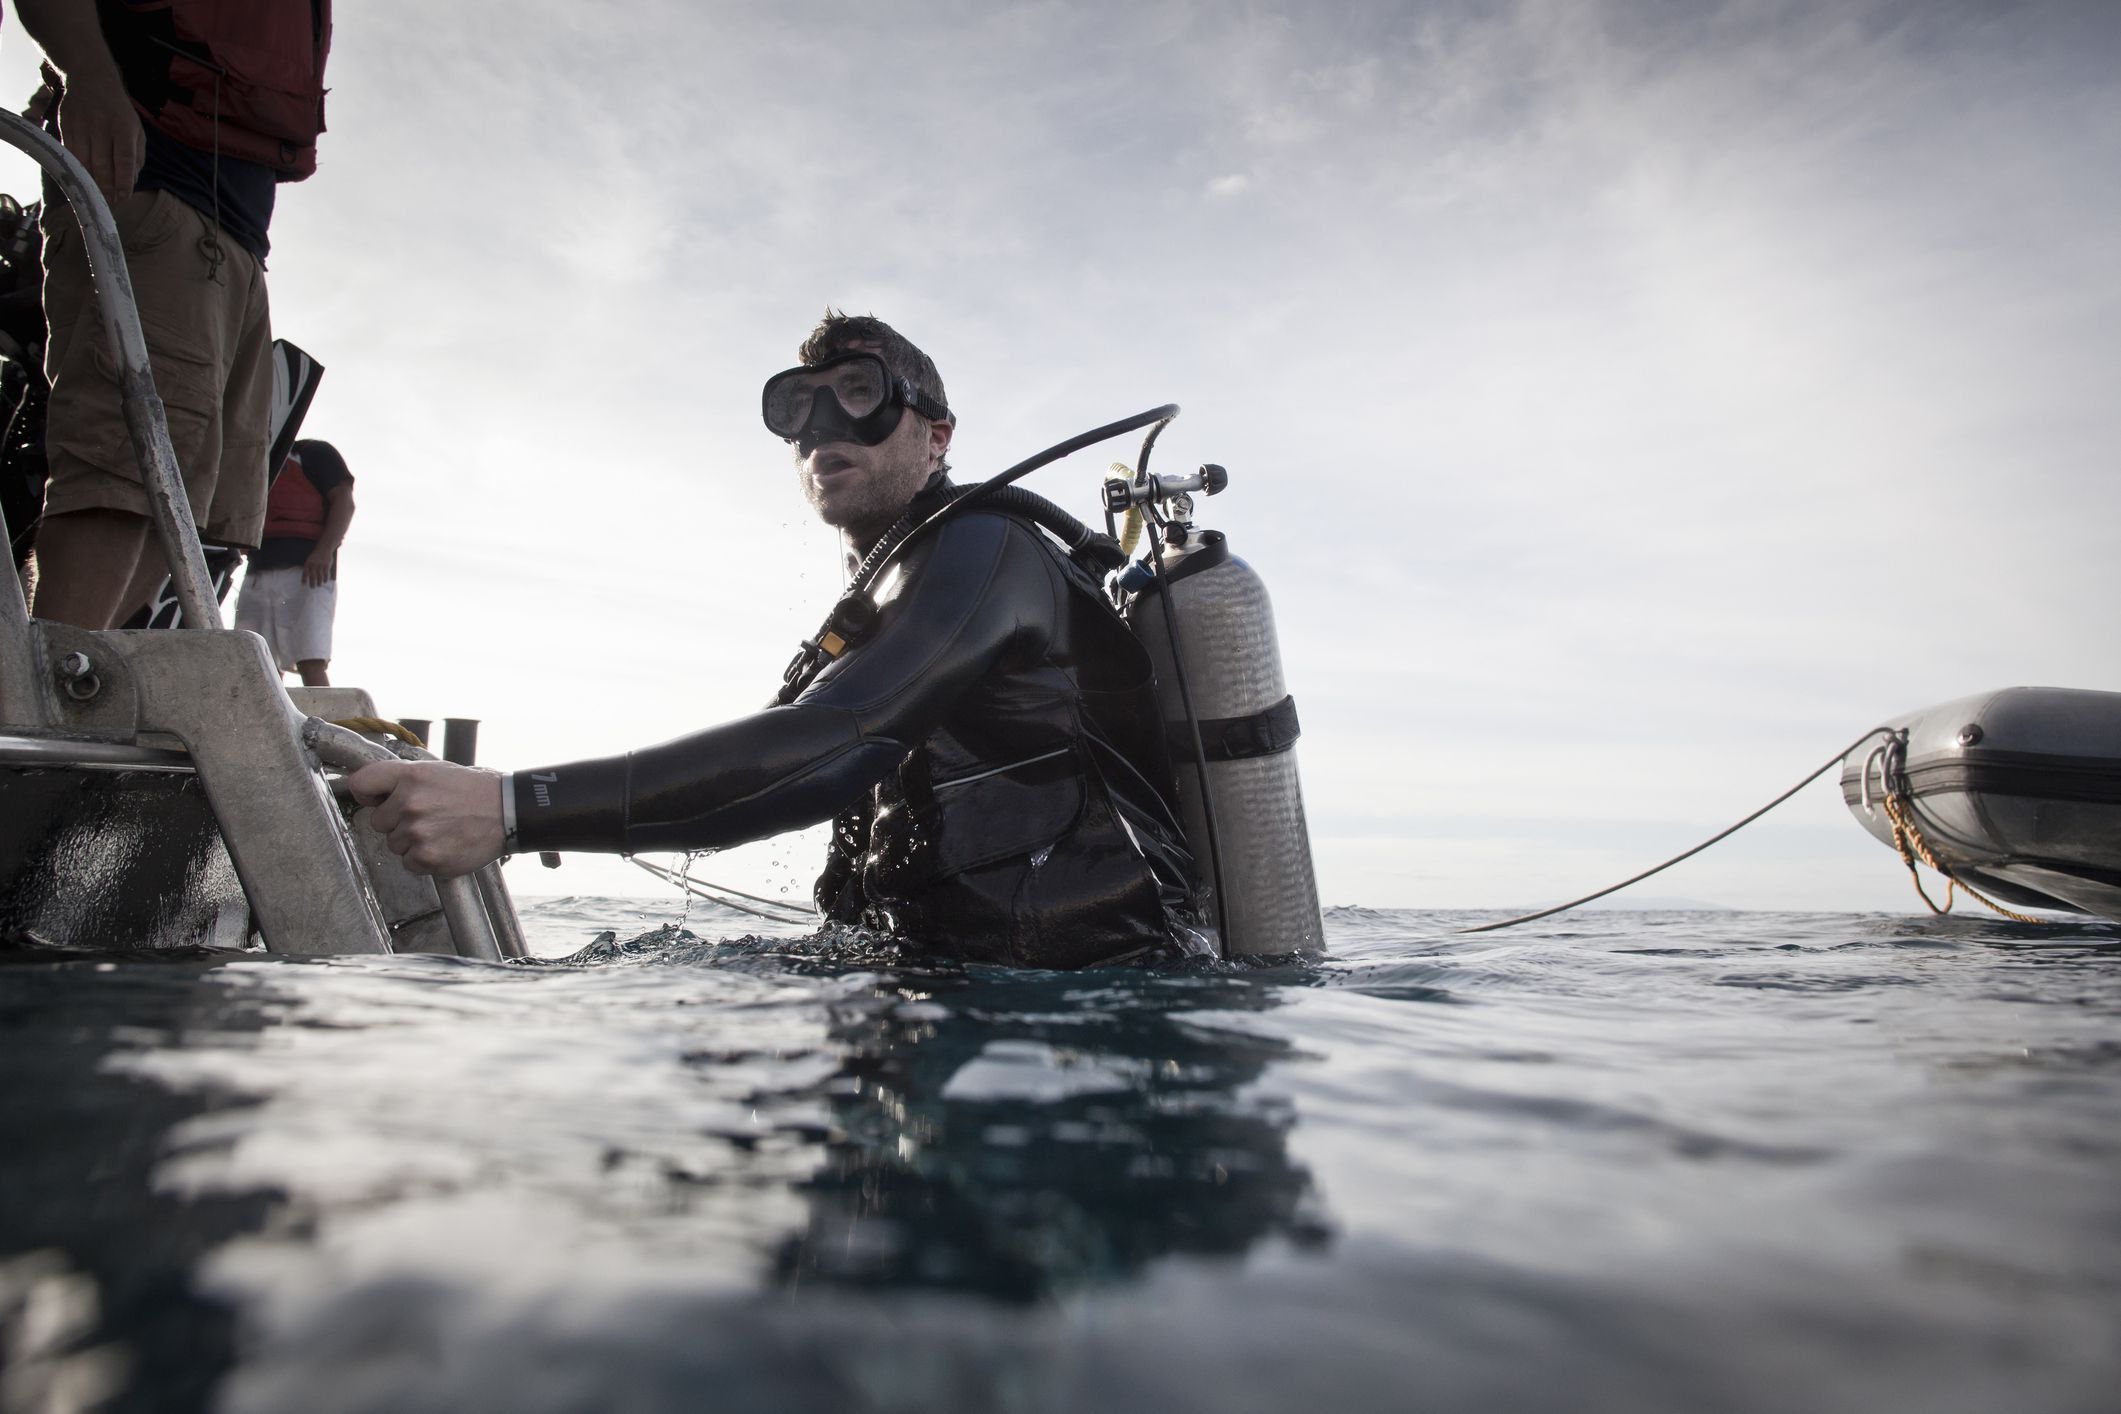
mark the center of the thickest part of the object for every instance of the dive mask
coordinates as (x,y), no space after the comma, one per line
(851,398)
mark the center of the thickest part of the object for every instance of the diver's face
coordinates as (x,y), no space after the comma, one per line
(861,490)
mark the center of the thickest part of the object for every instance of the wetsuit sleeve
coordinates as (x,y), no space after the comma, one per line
(979,591)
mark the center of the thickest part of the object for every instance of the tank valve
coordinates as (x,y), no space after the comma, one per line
(1119,495)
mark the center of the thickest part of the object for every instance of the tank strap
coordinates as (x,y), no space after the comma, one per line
(1263,733)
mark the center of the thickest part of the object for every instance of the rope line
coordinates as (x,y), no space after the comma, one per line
(377,726)
(1909,841)
(1836,759)
(721,894)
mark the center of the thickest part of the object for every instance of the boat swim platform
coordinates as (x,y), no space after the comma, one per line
(161,788)
(171,793)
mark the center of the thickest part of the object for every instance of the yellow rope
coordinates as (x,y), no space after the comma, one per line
(378,725)
(1908,840)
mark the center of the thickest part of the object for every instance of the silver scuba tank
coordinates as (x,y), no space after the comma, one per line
(1230,660)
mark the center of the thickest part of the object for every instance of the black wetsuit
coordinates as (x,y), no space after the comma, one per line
(989,751)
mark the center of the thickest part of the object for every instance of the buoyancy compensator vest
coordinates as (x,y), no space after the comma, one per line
(1035,822)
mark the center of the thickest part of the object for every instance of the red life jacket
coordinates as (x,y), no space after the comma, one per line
(295,509)
(243,76)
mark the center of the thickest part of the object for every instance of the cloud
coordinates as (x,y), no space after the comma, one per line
(1626,402)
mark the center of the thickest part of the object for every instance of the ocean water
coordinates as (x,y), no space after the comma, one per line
(1608,1162)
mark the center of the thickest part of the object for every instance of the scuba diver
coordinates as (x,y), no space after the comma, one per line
(984,733)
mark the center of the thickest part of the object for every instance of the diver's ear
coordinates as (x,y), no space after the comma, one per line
(939,434)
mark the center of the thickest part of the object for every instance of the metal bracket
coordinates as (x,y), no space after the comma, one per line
(219,694)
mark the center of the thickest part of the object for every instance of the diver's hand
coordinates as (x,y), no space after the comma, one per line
(439,818)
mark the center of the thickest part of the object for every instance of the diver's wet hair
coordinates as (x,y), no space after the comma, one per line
(839,333)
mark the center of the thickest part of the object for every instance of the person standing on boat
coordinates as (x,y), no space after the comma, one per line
(291,590)
(988,747)
(187,114)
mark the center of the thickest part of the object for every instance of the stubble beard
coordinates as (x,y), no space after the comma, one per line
(863,511)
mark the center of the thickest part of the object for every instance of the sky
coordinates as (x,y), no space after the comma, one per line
(1627,402)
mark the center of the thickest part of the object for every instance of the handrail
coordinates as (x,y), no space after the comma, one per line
(463,906)
(167,504)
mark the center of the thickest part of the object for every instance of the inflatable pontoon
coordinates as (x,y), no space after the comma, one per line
(2016,793)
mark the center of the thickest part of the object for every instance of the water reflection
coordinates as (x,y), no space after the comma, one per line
(97,1297)
(1022,1136)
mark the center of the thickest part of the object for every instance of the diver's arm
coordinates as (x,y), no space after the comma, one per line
(976,592)
(776,770)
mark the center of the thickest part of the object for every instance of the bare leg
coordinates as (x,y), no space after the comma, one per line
(147,578)
(87,565)
(312,671)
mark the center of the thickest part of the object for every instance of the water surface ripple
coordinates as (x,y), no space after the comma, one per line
(1615,1161)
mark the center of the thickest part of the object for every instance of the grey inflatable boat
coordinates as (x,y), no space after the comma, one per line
(2016,793)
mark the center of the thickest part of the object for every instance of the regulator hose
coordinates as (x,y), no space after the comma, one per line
(852,614)
(1000,480)
(1078,537)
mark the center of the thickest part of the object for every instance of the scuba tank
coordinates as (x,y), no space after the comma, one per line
(1204,616)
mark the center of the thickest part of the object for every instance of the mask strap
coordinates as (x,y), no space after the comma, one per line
(921,403)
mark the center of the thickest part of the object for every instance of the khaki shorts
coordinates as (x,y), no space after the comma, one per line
(209,342)
(293,618)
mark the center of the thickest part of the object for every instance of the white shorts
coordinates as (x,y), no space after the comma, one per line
(293,618)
